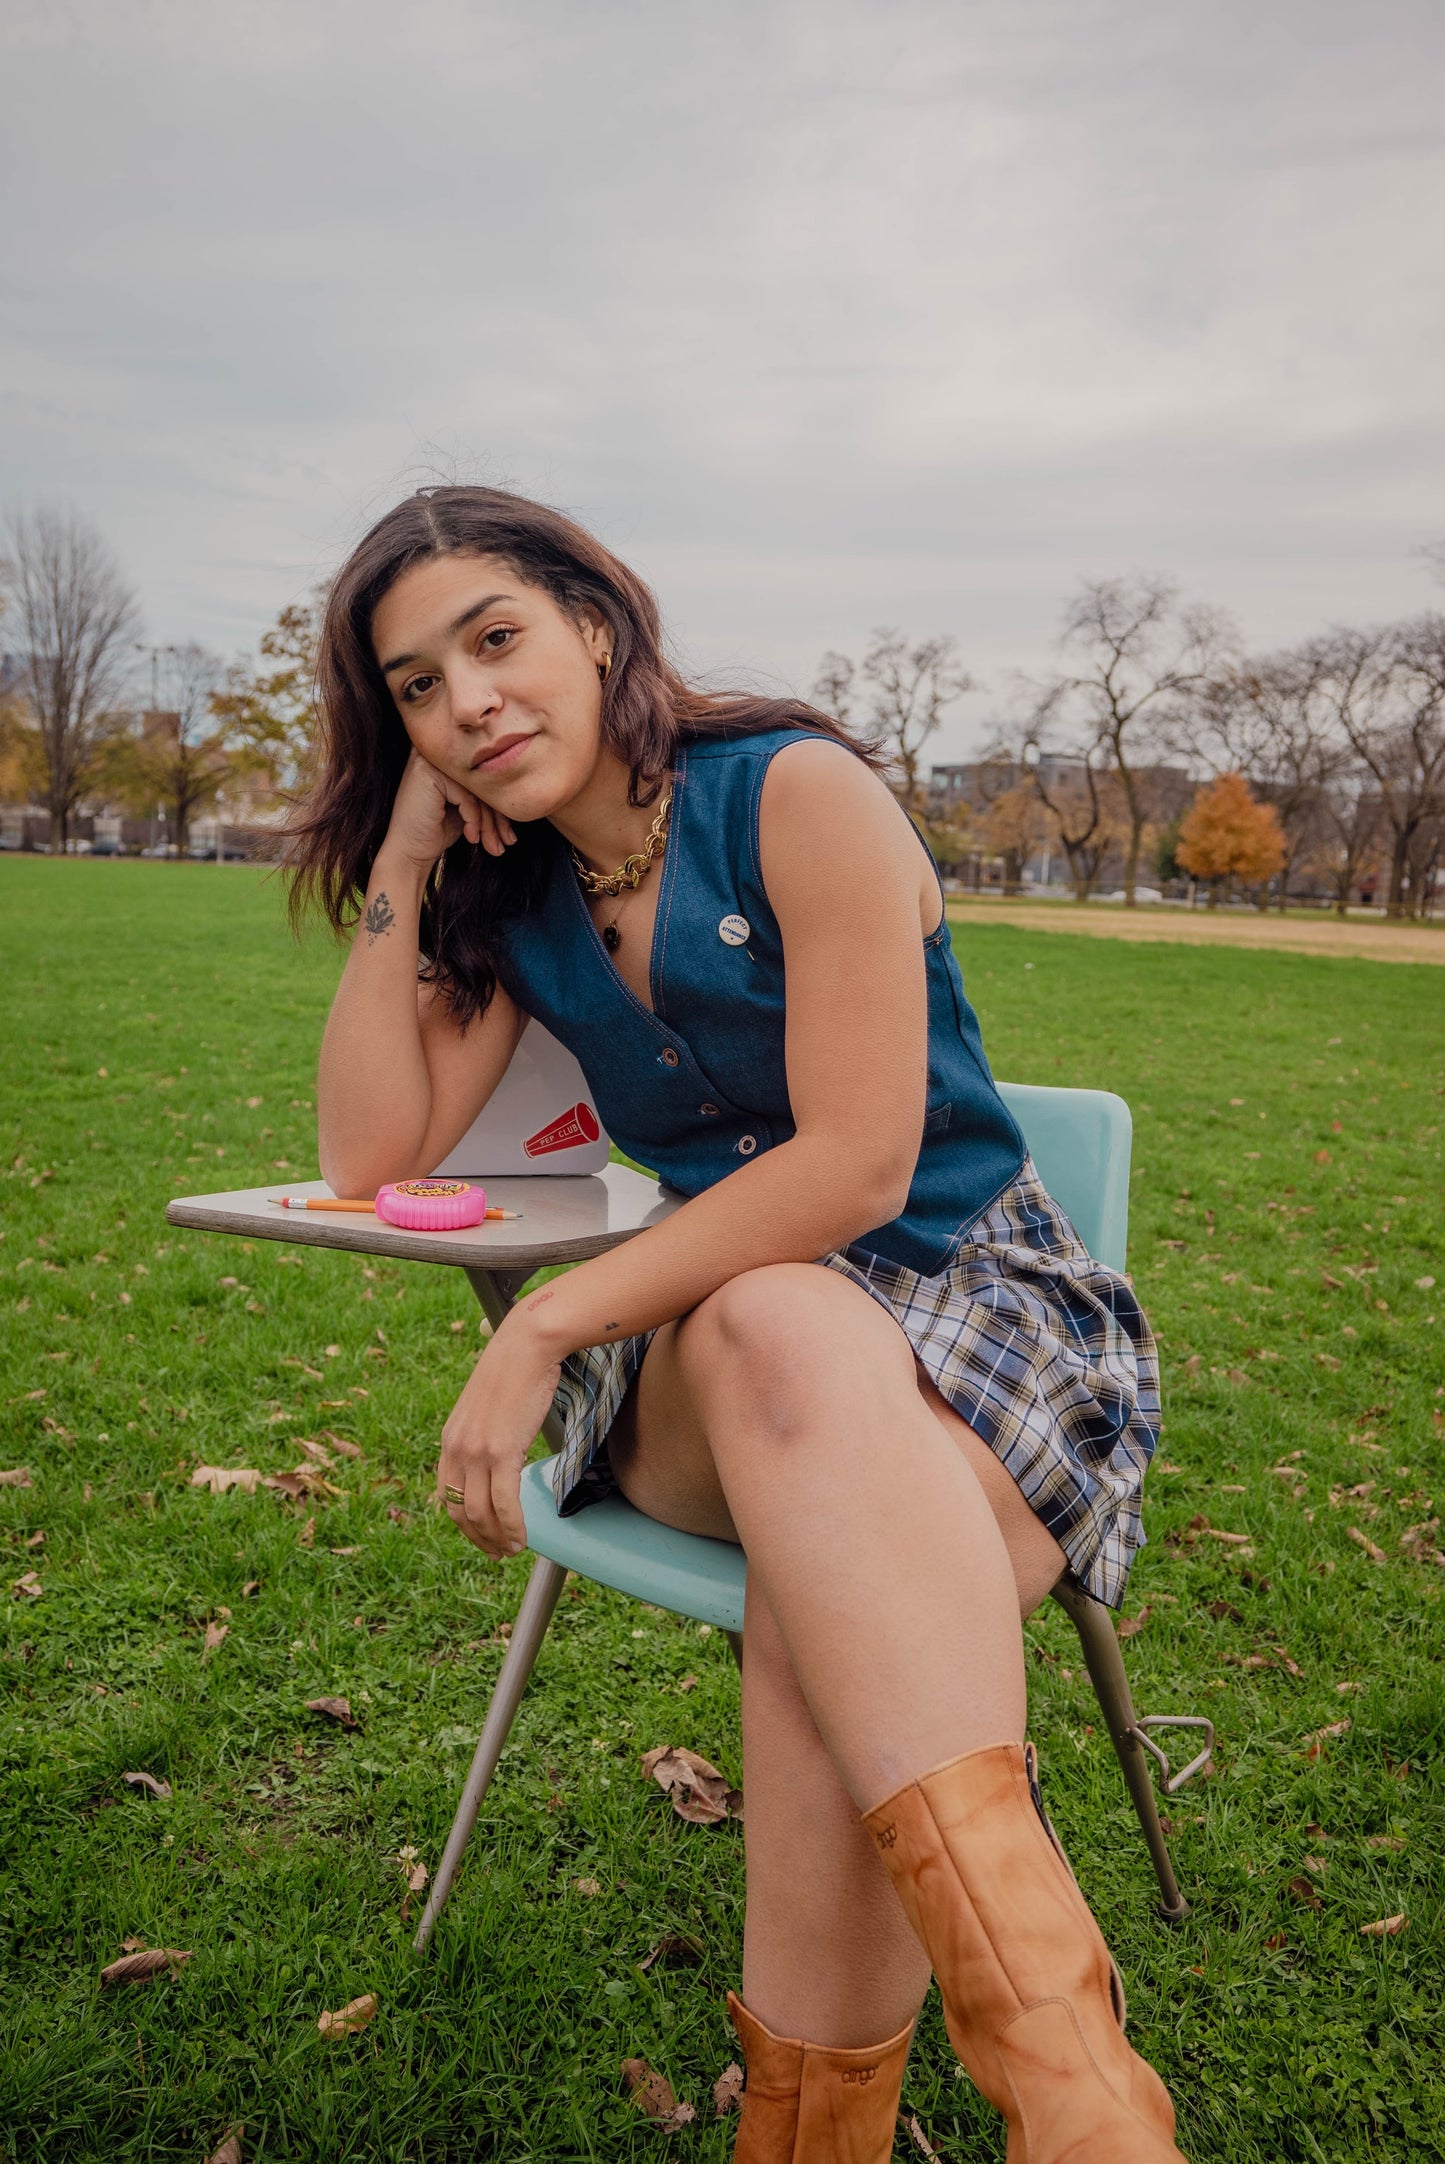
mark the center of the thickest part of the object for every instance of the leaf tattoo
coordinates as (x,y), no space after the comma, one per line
(379,919)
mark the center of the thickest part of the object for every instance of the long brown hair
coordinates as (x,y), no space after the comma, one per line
(335,833)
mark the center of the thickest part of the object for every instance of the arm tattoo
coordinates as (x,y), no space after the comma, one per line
(379,919)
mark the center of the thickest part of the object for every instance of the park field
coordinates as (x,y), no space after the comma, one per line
(160,1034)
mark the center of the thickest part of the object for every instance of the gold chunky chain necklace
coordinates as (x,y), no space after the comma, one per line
(633,869)
(630,873)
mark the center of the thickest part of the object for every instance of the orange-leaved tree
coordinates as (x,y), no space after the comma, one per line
(1226,835)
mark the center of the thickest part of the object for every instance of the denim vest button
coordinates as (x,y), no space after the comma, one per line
(708,1111)
(669,1057)
(746,1145)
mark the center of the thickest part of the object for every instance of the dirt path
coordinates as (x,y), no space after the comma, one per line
(1374,942)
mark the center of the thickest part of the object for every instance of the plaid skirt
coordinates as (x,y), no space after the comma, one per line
(1045,1353)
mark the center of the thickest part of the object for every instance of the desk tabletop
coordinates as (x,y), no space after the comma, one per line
(563,1220)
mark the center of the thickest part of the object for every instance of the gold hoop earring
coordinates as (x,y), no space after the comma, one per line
(604,667)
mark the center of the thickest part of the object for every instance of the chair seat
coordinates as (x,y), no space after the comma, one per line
(620,1547)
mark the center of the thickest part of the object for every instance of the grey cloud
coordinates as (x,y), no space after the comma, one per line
(830,315)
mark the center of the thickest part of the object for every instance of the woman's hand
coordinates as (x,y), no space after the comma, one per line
(486,1439)
(431,811)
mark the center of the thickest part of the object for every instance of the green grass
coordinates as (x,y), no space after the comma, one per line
(160,1034)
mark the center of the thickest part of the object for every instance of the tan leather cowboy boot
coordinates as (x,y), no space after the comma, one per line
(1031,1998)
(807,2104)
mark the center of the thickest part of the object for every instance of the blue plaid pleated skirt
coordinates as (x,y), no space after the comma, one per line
(1045,1352)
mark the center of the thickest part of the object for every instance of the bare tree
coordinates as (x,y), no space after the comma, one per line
(1345,832)
(1388,686)
(1142,658)
(1079,800)
(909,690)
(76,619)
(177,753)
(833,687)
(1273,720)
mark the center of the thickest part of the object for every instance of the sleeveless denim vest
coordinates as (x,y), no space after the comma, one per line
(698,1086)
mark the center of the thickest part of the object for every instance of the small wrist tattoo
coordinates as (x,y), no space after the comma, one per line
(379,919)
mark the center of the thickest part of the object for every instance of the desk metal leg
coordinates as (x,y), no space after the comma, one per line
(497,1290)
(530,1628)
(1105,1664)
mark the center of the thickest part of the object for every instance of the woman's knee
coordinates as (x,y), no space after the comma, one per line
(775,1338)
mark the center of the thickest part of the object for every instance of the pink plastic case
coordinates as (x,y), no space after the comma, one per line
(431,1205)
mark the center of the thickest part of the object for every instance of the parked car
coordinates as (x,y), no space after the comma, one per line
(160,849)
(107,846)
(1141,894)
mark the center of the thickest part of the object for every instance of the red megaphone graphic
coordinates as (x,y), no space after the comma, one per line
(568,1132)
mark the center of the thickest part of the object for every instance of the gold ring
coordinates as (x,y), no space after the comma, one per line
(455,1495)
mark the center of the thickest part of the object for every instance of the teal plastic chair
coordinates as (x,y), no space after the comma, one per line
(1080,1141)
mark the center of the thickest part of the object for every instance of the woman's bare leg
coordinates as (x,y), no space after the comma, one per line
(828,1953)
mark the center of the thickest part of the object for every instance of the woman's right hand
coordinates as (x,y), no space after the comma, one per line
(432,811)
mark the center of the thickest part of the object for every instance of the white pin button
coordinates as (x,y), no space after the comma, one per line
(734,931)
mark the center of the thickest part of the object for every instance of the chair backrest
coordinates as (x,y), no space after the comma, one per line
(1080,1141)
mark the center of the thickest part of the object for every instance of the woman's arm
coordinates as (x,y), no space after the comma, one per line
(399,1083)
(842,870)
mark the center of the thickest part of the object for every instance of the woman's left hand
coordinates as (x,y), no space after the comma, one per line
(487,1437)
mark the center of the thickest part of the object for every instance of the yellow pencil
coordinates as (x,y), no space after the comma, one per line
(330,1202)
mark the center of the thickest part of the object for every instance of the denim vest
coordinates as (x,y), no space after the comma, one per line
(698,1086)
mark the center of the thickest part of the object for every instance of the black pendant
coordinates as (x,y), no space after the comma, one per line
(611,938)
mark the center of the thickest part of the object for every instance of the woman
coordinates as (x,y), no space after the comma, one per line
(718,905)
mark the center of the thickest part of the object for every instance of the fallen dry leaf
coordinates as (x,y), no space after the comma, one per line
(290,1361)
(1236,1375)
(36,1540)
(653,2095)
(1362,1540)
(1385,1840)
(1388,1927)
(1130,1626)
(727,2089)
(140,1968)
(1275,1941)
(416,1879)
(587,1886)
(230,2149)
(306,1538)
(699,1792)
(688,1683)
(305,1480)
(1304,1891)
(316,1452)
(148,1782)
(339,1442)
(351,2017)
(26,1588)
(335,1709)
(131,1946)
(672,1952)
(220,1479)
(215,1635)
(918,2137)
(252,1586)
(16,1476)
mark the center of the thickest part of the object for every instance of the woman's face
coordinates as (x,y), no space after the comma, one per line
(496,686)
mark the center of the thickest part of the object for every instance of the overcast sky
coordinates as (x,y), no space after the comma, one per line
(826,315)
